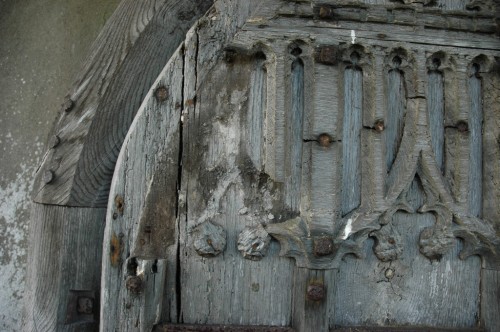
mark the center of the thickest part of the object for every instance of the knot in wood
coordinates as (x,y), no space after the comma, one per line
(323,246)
(134,284)
(316,292)
(325,12)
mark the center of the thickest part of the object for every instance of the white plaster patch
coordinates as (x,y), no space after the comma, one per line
(14,207)
(353,37)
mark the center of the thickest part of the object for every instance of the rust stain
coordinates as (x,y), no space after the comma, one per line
(119,204)
(115,249)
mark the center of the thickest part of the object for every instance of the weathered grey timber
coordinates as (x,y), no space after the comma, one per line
(52,275)
(125,60)
(345,142)
(77,168)
(342,129)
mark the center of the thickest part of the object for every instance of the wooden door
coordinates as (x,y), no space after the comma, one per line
(314,166)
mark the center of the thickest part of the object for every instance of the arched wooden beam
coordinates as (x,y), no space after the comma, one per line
(125,60)
(71,188)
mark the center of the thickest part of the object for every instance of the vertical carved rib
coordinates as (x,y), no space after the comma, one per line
(351,139)
(257,109)
(435,107)
(476,144)
(293,178)
(396,109)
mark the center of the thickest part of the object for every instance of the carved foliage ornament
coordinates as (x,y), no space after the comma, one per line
(415,159)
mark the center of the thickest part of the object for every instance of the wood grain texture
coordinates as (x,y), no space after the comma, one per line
(125,60)
(50,275)
(216,185)
(490,299)
(351,139)
(416,292)
(136,238)
(435,107)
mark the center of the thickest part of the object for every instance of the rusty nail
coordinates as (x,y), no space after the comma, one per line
(134,284)
(324,140)
(48,177)
(462,126)
(54,141)
(391,241)
(389,273)
(379,125)
(323,246)
(85,305)
(325,12)
(161,93)
(315,292)
(68,105)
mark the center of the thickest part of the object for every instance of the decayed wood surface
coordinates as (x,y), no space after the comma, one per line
(321,127)
(125,60)
(51,275)
(141,221)
(76,170)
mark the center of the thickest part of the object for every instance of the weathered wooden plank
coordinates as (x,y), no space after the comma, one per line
(435,107)
(396,110)
(490,299)
(294,136)
(219,328)
(351,139)
(411,290)
(327,33)
(102,103)
(50,277)
(475,187)
(310,305)
(222,192)
(141,216)
(402,329)
(257,110)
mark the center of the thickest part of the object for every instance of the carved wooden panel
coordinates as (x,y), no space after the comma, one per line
(333,172)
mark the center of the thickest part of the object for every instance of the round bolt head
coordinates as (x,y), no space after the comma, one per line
(161,94)
(379,125)
(315,292)
(134,284)
(324,140)
(323,246)
(48,177)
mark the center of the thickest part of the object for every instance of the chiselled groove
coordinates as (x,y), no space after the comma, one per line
(351,138)
(294,140)
(435,107)
(396,109)
(476,144)
(256,110)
